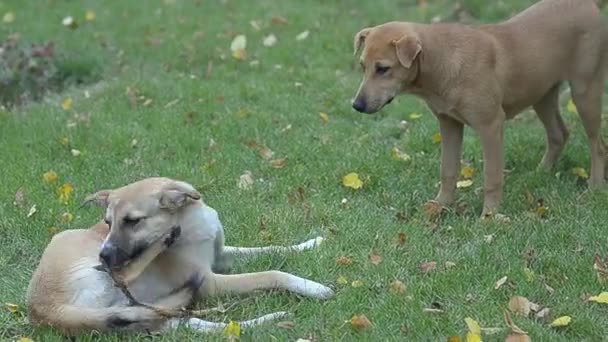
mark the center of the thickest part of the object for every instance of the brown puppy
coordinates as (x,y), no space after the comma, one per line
(482,76)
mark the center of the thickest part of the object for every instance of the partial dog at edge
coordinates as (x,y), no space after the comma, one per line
(164,243)
(481,76)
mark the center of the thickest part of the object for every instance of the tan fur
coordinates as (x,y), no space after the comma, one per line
(68,293)
(481,76)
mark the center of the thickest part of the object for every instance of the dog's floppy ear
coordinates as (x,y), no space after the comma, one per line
(176,194)
(100,198)
(360,39)
(407,49)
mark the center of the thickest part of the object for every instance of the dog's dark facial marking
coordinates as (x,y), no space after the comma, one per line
(117,322)
(176,231)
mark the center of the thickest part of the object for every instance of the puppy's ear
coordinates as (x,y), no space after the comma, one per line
(407,49)
(99,198)
(177,194)
(360,39)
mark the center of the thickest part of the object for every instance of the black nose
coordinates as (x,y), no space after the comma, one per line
(108,254)
(359,104)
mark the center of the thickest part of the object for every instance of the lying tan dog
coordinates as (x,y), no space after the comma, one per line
(482,76)
(163,244)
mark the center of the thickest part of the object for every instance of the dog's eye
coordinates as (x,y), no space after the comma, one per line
(131,221)
(381,70)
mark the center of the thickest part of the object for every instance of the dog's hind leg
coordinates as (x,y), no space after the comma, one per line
(547,110)
(207,327)
(243,252)
(218,284)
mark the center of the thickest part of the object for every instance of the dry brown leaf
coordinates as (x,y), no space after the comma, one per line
(279,20)
(520,305)
(432,209)
(518,338)
(278,163)
(427,267)
(245,181)
(374,258)
(360,322)
(397,287)
(19,198)
(543,314)
(344,261)
(509,322)
(500,282)
(401,239)
(454,339)
(600,266)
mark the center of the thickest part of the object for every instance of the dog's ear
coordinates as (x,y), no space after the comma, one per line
(407,49)
(360,39)
(100,198)
(177,194)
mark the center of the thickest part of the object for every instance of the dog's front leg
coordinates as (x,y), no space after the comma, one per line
(451,150)
(491,134)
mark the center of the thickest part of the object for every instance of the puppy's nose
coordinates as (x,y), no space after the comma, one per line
(109,254)
(359,104)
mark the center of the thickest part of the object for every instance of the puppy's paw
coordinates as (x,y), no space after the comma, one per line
(310,244)
(316,290)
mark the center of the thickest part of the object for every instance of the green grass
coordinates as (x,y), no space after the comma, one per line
(199,92)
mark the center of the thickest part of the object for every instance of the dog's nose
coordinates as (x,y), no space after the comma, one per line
(108,254)
(359,104)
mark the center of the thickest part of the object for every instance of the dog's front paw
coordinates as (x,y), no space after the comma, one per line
(318,291)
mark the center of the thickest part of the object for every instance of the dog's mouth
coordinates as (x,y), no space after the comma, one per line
(168,240)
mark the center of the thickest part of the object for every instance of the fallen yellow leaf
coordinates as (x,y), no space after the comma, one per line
(232,329)
(464,184)
(500,282)
(50,176)
(602,298)
(561,321)
(8,17)
(580,172)
(530,276)
(436,138)
(25,339)
(66,104)
(473,337)
(397,287)
(473,326)
(65,192)
(356,283)
(399,155)
(324,117)
(415,116)
(454,339)
(238,46)
(67,217)
(89,15)
(571,107)
(352,180)
(342,280)
(14,308)
(467,172)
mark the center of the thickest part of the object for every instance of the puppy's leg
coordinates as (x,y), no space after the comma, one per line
(218,284)
(206,326)
(491,135)
(547,110)
(451,150)
(587,96)
(255,251)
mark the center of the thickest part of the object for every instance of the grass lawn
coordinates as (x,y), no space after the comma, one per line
(170,100)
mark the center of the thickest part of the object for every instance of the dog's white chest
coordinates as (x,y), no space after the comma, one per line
(91,288)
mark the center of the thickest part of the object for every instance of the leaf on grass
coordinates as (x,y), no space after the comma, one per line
(415,116)
(232,329)
(401,239)
(238,46)
(562,321)
(65,193)
(25,339)
(324,117)
(530,276)
(375,259)
(342,280)
(518,338)
(32,211)
(520,305)
(270,40)
(397,154)
(67,104)
(344,261)
(69,22)
(500,282)
(8,17)
(19,198)
(89,15)
(289,325)
(432,209)
(571,107)
(397,287)
(13,308)
(245,181)
(303,35)
(356,283)
(278,163)
(541,209)
(467,172)
(601,268)
(473,326)
(449,264)
(352,180)
(454,339)
(509,322)
(427,267)
(436,138)
(602,298)
(464,184)
(580,173)
(67,217)
(75,152)
(360,322)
